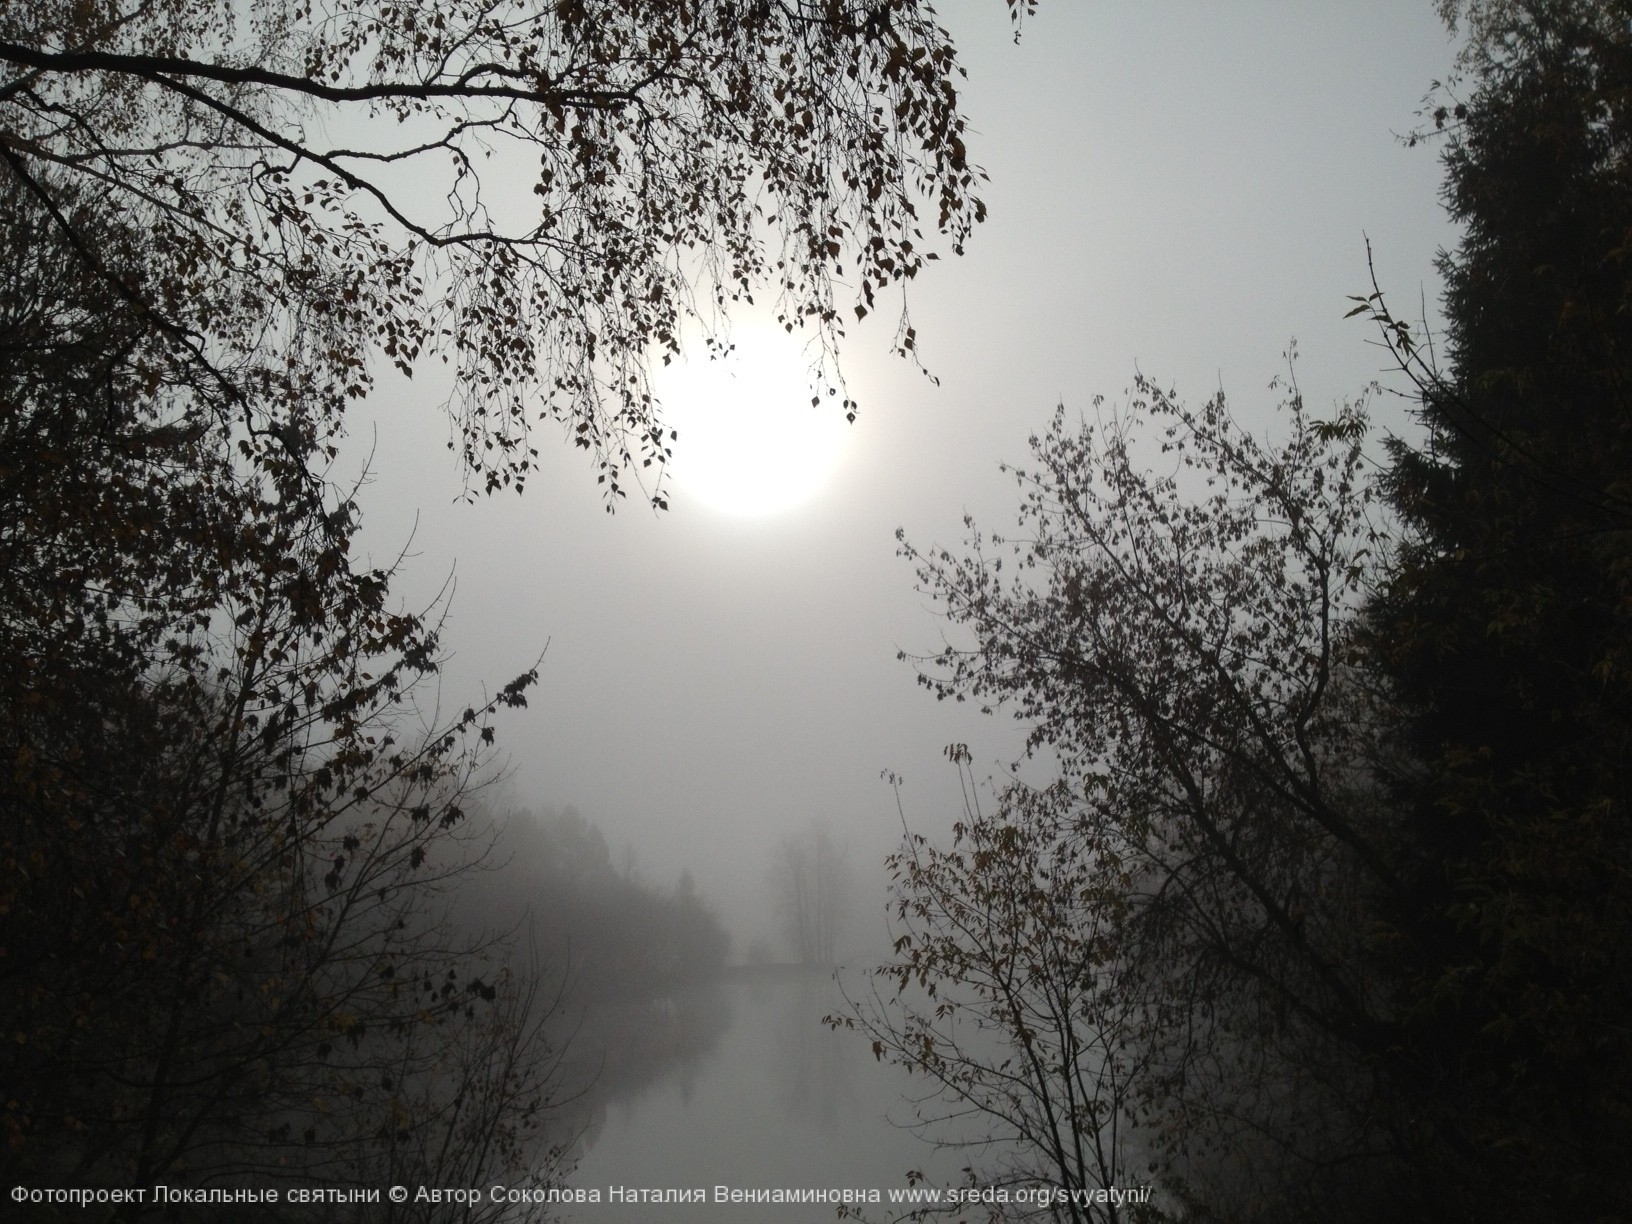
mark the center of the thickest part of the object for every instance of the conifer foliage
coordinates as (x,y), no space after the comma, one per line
(1506,628)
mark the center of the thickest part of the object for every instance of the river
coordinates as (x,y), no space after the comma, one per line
(777,1101)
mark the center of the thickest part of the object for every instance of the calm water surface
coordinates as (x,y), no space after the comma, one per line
(777,1101)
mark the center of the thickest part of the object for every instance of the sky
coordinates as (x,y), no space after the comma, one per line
(1179,189)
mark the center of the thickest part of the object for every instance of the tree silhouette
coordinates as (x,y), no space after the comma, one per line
(229,796)
(224,813)
(811,880)
(539,194)
(1170,940)
(1332,880)
(1505,626)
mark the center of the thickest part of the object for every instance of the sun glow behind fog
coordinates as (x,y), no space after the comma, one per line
(750,443)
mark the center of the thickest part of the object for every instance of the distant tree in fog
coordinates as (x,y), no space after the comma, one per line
(698,943)
(811,878)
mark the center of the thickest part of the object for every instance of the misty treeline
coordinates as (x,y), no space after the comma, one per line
(1325,914)
(616,934)
(633,959)
(236,820)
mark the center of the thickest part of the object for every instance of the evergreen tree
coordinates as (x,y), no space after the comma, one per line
(1507,632)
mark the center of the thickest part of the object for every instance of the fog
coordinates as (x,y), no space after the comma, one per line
(1176,190)
(1180,194)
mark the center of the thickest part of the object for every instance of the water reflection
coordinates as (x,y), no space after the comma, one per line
(773,1099)
(815,1066)
(627,1048)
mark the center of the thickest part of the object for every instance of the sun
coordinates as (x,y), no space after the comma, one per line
(750,442)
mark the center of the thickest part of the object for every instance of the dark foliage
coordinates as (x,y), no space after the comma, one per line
(217,958)
(1507,632)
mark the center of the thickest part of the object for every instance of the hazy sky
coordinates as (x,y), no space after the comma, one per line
(1178,189)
